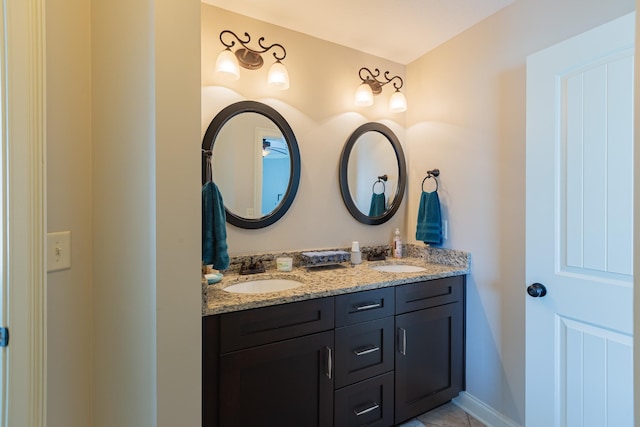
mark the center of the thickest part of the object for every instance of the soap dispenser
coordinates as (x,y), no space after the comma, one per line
(397,244)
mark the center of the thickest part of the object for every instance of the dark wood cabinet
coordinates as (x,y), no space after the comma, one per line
(364,350)
(364,358)
(374,358)
(270,366)
(362,306)
(249,328)
(366,403)
(429,359)
(288,383)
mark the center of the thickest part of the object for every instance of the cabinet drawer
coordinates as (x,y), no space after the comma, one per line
(364,350)
(416,296)
(364,306)
(367,403)
(244,329)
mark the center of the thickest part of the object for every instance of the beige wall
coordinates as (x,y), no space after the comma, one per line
(177,215)
(319,108)
(467,117)
(69,319)
(123,323)
(123,214)
(146,304)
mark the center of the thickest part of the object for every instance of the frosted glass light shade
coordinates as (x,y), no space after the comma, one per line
(278,76)
(397,102)
(364,96)
(227,65)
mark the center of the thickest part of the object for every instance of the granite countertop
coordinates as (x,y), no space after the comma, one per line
(323,282)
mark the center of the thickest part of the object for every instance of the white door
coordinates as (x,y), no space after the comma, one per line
(579,230)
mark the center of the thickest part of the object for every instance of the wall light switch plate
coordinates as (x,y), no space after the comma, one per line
(58,251)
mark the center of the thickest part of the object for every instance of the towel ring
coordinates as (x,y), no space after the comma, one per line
(431,174)
(381,180)
(383,187)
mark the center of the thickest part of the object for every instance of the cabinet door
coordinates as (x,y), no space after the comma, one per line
(288,383)
(429,359)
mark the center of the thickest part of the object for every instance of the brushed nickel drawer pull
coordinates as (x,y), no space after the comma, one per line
(402,341)
(368,306)
(373,407)
(366,350)
(329,363)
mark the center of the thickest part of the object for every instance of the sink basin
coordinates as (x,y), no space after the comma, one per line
(263,286)
(398,268)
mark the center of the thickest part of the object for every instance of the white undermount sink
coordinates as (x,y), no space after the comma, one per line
(398,268)
(263,286)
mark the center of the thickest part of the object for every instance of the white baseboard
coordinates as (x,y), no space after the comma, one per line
(482,412)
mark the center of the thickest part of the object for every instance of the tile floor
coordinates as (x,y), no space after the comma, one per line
(448,415)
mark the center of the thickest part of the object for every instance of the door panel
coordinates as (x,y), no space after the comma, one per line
(594,391)
(597,164)
(579,230)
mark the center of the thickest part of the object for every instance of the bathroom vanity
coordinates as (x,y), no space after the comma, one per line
(351,356)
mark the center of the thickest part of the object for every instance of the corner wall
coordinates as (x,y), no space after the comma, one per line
(467,118)
(147,292)
(123,104)
(69,292)
(178,213)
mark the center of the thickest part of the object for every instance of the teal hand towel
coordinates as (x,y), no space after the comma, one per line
(429,228)
(214,228)
(378,204)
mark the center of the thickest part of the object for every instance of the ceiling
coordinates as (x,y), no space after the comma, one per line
(397,30)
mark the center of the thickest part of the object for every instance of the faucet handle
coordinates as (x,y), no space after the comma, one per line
(252,268)
(377,254)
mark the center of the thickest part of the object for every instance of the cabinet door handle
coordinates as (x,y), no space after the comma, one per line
(373,406)
(402,341)
(368,306)
(329,362)
(366,350)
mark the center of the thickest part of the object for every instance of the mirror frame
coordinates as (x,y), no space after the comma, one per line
(343,171)
(208,142)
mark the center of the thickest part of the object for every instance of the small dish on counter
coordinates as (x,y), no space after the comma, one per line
(213,277)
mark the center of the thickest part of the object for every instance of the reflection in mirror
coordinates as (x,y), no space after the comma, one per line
(250,165)
(372,156)
(372,174)
(255,163)
(275,173)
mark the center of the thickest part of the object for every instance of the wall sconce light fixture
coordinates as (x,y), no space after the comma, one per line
(229,63)
(372,86)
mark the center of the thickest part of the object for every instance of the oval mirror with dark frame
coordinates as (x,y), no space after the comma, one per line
(255,162)
(373,173)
